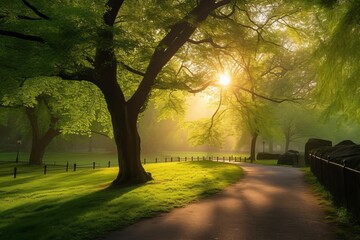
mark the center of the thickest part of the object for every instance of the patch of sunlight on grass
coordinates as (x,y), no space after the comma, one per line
(271,162)
(78,205)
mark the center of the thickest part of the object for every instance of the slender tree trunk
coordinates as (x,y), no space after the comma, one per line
(287,144)
(253,146)
(90,146)
(271,146)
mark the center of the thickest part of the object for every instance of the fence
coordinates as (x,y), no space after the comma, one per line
(14,169)
(340,180)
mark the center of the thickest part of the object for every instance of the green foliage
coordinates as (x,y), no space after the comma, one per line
(80,206)
(266,50)
(69,37)
(76,105)
(338,75)
(204,131)
(170,104)
(298,121)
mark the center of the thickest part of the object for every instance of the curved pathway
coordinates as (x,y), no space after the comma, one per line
(269,203)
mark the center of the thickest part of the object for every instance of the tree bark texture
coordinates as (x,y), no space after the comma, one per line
(39,143)
(127,139)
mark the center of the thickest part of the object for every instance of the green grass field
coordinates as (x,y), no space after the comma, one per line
(79,205)
(272,162)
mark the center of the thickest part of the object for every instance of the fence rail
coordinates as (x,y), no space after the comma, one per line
(341,181)
(16,169)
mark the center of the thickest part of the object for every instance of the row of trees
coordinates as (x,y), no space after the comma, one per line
(57,58)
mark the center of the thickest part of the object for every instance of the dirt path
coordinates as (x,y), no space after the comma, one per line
(269,203)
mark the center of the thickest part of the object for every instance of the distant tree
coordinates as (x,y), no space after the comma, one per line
(298,121)
(266,53)
(51,109)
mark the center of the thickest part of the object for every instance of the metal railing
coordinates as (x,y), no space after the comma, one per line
(341,181)
(15,169)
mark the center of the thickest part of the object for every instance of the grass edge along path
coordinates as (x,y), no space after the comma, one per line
(346,227)
(81,206)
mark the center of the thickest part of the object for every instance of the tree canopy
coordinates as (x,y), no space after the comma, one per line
(132,50)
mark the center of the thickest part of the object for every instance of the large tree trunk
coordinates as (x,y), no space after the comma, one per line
(127,141)
(36,154)
(38,148)
(253,146)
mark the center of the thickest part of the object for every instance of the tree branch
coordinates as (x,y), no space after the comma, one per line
(100,133)
(217,110)
(170,44)
(22,36)
(35,10)
(29,18)
(86,74)
(182,86)
(224,16)
(206,40)
(130,69)
(110,16)
(275,100)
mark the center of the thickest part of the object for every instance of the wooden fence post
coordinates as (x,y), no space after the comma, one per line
(67,166)
(108,164)
(74,167)
(44,169)
(93,165)
(15,172)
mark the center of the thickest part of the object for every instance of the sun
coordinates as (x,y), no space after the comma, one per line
(224,79)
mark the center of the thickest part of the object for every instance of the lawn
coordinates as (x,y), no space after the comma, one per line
(270,162)
(79,205)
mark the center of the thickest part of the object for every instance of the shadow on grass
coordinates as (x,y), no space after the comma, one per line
(44,220)
(90,215)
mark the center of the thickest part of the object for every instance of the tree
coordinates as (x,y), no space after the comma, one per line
(338,57)
(266,53)
(100,65)
(51,109)
(298,121)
